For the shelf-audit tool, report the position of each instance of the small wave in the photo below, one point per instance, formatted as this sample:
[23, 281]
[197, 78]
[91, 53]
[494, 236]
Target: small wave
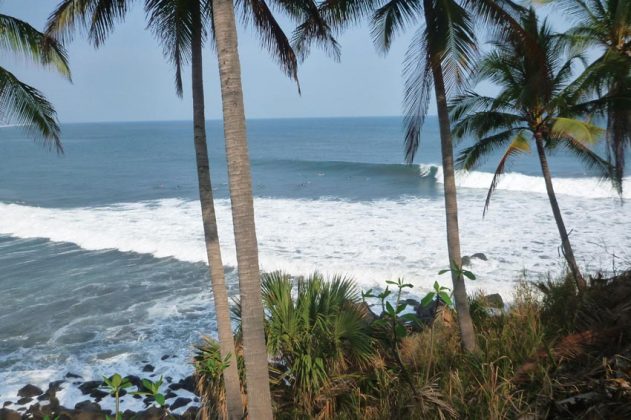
[585, 187]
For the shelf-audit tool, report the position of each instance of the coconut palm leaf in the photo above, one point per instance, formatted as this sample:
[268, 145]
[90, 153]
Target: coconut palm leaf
[171, 22]
[474, 155]
[97, 17]
[518, 145]
[271, 35]
[18, 37]
[312, 27]
[26, 105]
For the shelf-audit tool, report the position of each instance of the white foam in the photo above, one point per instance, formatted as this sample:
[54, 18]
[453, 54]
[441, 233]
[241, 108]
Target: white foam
[584, 187]
[371, 241]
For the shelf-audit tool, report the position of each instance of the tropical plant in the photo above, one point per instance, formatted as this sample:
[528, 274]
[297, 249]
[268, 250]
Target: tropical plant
[537, 102]
[114, 385]
[606, 25]
[152, 389]
[23, 104]
[318, 339]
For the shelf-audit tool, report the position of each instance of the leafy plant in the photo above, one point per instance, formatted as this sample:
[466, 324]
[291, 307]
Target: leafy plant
[153, 390]
[439, 292]
[458, 270]
[115, 384]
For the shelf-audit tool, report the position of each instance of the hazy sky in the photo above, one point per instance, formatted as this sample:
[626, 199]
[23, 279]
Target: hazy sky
[128, 79]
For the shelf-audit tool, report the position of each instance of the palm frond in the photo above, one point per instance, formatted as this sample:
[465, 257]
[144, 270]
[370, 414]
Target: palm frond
[19, 37]
[172, 24]
[417, 92]
[391, 18]
[518, 145]
[313, 28]
[97, 17]
[271, 35]
[473, 156]
[23, 104]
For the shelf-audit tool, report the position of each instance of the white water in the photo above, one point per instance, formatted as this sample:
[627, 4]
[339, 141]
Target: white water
[372, 240]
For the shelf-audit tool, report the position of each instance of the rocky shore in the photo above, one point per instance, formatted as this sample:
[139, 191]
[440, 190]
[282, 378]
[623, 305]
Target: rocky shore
[94, 402]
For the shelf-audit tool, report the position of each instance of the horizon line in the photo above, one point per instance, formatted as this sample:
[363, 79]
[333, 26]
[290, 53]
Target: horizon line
[247, 119]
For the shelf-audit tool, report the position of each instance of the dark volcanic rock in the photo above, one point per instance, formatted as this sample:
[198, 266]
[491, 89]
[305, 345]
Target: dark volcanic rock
[180, 402]
[89, 386]
[480, 256]
[169, 395]
[165, 357]
[6, 414]
[88, 406]
[24, 400]
[71, 375]
[148, 368]
[98, 395]
[7, 403]
[175, 386]
[188, 384]
[30, 391]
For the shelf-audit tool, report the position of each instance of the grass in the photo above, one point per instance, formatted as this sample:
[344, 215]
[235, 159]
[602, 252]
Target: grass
[554, 353]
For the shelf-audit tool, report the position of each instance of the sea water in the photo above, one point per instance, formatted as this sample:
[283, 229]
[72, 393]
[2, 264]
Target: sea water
[102, 259]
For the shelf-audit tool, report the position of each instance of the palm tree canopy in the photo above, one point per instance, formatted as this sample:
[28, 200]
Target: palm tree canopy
[533, 102]
[606, 25]
[170, 21]
[19, 102]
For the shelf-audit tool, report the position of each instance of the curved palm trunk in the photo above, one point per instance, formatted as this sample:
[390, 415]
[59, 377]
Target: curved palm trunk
[617, 127]
[240, 182]
[556, 211]
[467, 332]
[217, 276]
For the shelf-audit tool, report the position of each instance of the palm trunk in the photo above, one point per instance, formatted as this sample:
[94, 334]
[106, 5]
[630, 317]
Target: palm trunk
[565, 239]
[467, 332]
[240, 182]
[616, 138]
[232, 385]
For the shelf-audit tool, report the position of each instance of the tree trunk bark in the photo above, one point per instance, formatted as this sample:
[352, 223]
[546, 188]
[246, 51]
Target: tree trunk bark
[568, 253]
[467, 332]
[240, 183]
[234, 403]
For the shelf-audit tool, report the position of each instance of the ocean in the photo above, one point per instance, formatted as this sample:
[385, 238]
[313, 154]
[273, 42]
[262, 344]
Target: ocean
[102, 255]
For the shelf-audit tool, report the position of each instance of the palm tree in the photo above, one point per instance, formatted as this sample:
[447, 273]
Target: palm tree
[440, 55]
[178, 25]
[19, 102]
[606, 25]
[240, 183]
[173, 22]
[181, 26]
[537, 101]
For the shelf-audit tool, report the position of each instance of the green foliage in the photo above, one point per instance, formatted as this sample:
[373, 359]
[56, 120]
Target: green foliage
[316, 335]
[19, 102]
[114, 385]
[153, 390]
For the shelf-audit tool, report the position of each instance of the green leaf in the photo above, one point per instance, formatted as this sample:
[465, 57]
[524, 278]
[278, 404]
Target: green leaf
[468, 274]
[390, 309]
[400, 331]
[445, 298]
[427, 300]
[392, 282]
[441, 272]
[401, 307]
[436, 286]
[116, 380]
[160, 399]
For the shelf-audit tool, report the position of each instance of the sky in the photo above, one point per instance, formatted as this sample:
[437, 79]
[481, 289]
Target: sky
[128, 79]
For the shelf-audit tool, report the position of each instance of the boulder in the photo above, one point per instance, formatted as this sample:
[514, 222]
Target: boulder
[148, 368]
[494, 301]
[71, 375]
[480, 256]
[89, 386]
[180, 402]
[6, 414]
[30, 391]
[24, 401]
[88, 406]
